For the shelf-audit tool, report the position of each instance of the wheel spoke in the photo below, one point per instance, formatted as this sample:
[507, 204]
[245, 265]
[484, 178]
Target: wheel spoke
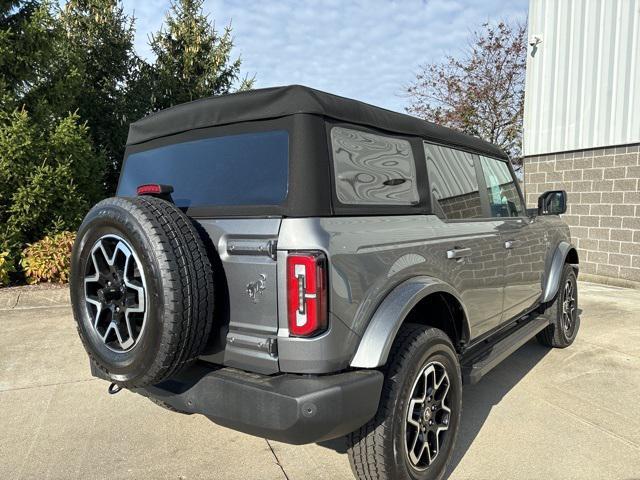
[110, 327]
[426, 448]
[430, 377]
[125, 344]
[412, 409]
[98, 306]
[412, 450]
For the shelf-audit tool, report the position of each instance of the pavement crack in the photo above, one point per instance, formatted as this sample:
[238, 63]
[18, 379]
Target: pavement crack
[607, 347]
[17, 300]
[29, 387]
[35, 436]
[585, 421]
[277, 459]
[37, 307]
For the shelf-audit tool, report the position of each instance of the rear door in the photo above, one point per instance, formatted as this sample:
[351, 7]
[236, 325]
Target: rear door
[524, 240]
[471, 241]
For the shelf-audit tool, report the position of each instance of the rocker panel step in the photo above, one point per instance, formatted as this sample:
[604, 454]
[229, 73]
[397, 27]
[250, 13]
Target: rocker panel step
[481, 364]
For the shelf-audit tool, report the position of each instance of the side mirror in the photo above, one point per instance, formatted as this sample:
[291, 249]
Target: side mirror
[553, 202]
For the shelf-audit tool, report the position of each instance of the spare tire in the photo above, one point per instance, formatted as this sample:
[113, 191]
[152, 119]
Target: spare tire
[141, 289]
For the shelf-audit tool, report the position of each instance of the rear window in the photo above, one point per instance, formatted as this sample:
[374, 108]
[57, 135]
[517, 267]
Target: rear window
[245, 169]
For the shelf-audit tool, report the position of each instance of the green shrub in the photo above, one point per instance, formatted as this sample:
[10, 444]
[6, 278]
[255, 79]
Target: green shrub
[48, 260]
[49, 178]
[6, 267]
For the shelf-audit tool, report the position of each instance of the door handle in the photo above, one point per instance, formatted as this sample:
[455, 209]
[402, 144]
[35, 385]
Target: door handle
[509, 244]
[458, 253]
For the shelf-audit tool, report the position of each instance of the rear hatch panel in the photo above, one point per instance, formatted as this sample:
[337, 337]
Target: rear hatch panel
[247, 327]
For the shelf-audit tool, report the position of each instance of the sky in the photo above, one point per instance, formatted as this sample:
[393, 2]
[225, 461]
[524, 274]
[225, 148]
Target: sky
[367, 50]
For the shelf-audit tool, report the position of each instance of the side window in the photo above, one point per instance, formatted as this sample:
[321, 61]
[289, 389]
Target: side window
[453, 183]
[373, 169]
[504, 199]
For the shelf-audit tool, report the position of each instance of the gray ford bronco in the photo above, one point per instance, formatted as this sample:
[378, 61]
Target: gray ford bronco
[301, 266]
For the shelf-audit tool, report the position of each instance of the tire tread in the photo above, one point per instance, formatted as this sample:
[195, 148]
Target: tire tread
[552, 336]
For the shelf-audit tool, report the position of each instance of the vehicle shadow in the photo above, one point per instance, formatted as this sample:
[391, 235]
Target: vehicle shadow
[339, 445]
[478, 400]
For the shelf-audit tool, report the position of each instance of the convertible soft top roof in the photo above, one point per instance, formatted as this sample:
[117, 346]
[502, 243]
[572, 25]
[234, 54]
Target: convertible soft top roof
[276, 102]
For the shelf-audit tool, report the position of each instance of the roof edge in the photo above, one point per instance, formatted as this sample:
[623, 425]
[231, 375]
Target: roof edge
[276, 102]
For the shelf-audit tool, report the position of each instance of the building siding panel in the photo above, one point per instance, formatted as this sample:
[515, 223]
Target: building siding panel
[583, 80]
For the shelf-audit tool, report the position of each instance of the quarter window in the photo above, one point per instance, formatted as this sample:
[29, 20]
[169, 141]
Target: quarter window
[453, 183]
[373, 169]
[504, 199]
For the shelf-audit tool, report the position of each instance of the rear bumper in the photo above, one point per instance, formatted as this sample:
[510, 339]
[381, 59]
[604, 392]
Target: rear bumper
[289, 408]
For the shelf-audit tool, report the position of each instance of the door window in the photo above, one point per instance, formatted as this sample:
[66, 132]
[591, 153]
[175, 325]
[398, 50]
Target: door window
[373, 169]
[453, 183]
[504, 198]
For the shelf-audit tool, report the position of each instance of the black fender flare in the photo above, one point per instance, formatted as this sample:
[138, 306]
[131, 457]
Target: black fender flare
[554, 274]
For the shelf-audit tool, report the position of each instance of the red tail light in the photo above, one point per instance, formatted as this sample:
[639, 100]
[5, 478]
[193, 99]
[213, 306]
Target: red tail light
[307, 293]
[154, 189]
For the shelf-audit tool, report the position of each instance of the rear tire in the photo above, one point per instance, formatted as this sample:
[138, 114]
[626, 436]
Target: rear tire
[563, 313]
[141, 289]
[382, 449]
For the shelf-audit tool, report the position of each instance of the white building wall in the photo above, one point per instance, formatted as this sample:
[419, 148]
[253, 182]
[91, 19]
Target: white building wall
[583, 79]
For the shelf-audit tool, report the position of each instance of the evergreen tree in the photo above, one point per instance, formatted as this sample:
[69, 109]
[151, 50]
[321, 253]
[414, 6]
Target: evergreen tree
[192, 59]
[70, 84]
[26, 49]
[99, 41]
[50, 174]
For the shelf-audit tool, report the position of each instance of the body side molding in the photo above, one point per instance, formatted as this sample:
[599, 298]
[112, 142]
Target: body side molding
[555, 271]
[380, 334]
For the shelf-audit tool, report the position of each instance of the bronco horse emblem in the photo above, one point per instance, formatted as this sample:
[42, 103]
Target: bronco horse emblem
[257, 288]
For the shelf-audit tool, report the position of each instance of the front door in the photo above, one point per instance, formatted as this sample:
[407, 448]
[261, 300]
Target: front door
[523, 240]
[524, 265]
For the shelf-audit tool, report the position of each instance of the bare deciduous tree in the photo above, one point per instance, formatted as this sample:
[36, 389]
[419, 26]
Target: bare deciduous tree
[480, 92]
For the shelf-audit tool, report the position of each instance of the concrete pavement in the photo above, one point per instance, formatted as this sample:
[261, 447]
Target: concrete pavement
[542, 414]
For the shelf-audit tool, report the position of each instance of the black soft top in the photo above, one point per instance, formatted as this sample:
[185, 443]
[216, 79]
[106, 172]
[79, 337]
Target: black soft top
[276, 102]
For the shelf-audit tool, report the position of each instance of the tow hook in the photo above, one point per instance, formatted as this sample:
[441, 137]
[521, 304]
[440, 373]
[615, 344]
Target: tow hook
[114, 388]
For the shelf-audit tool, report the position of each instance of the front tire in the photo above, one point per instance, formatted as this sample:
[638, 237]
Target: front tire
[413, 434]
[564, 322]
